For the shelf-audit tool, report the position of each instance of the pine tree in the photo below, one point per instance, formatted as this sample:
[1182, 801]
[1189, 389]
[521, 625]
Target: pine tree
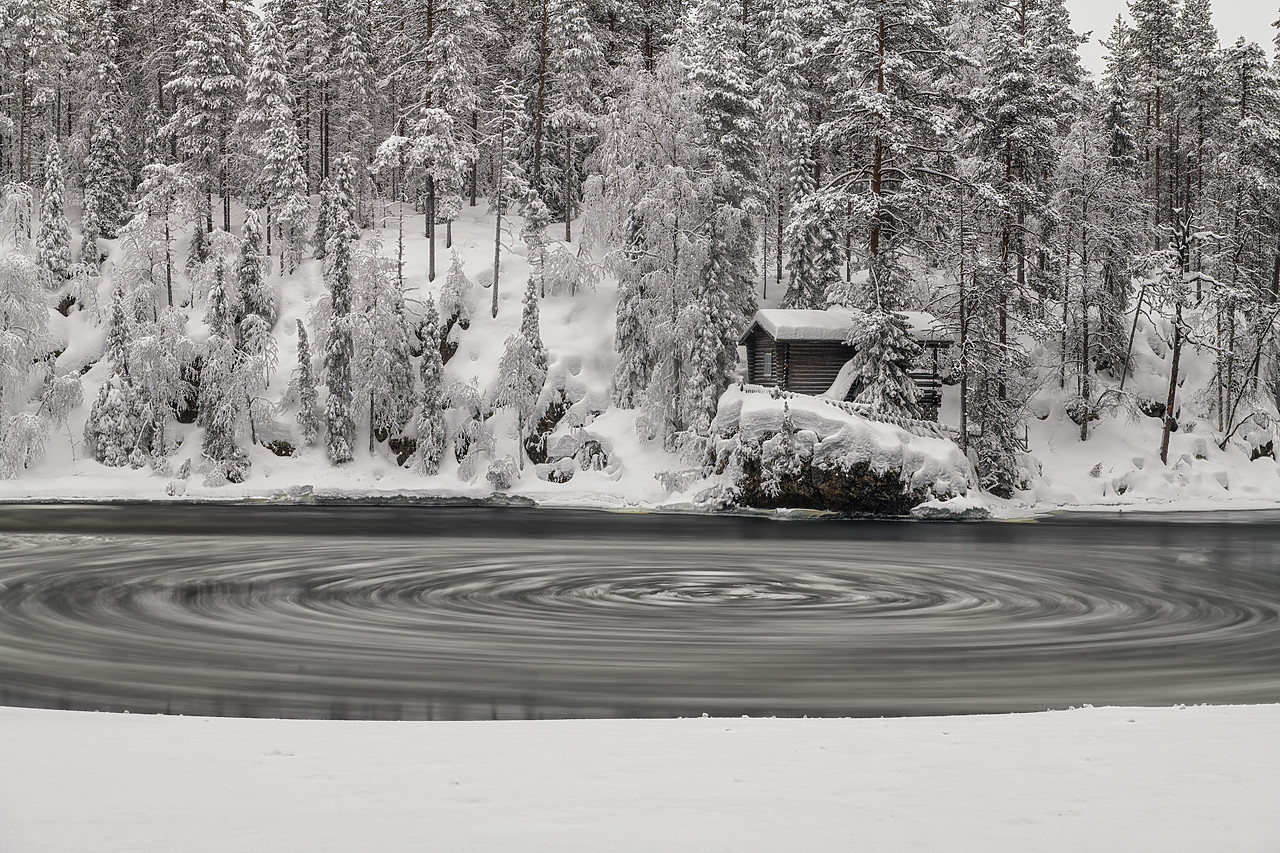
[455, 297]
[782, 89]
[631, 377]
[320, 239]
[114, 427]
[340, 425]
[23, 328]
[270, 152]
[107, 183]
[530, 327]
[53, 241]
[504, 144]
[576, 65]
[383, 371]
[353, 85]
[884, 352]
[308, 421]
[256, 295]
[522, 369]
[208, 87]
[431, 426]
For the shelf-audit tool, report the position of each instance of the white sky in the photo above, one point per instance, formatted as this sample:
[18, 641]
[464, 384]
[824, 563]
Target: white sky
[1249, 18]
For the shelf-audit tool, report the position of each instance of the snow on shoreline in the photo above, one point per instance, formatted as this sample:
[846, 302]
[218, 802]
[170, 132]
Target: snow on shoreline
[1168, 779]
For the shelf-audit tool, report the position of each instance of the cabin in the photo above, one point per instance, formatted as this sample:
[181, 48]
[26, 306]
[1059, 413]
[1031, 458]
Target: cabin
[805, 351]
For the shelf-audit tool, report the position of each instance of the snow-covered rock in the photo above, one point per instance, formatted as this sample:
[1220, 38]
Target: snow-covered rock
[799, 451]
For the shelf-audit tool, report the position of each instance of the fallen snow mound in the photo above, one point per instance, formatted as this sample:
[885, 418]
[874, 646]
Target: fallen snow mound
[824, 453]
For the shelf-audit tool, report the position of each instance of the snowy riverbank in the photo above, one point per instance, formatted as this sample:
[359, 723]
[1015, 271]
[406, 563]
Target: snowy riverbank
[1172, 779]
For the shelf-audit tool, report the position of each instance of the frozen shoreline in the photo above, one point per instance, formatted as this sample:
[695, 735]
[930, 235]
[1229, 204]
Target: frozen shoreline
[1171, 779]
[1000, 510]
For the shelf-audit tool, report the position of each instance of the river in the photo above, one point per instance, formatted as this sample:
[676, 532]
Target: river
[479, 613]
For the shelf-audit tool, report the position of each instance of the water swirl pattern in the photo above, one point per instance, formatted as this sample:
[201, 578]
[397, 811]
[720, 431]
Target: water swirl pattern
[475, 613]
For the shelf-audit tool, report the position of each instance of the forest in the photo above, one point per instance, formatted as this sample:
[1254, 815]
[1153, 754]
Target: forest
[170, 169]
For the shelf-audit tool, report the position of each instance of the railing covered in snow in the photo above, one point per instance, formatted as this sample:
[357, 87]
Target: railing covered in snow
[924, 429]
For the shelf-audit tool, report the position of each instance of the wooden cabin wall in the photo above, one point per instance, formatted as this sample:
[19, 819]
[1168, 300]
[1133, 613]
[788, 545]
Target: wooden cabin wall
[759, 347]
[813, 365]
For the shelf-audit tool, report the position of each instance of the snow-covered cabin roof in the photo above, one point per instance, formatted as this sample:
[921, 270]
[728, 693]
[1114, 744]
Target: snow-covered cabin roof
[834, 324]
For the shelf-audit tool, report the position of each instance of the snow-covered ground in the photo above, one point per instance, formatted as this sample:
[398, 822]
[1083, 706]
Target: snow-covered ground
[1116, 779]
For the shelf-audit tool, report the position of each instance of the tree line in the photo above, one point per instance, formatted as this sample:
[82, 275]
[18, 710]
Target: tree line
[881, 154]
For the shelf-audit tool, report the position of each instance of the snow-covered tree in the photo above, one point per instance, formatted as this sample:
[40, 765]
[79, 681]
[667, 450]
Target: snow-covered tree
[432, 434]
[23, 343]
[270, 152]
[504, 143]
[522, 370]
[107, 183]
[114, 428]
[53, 240]
[884, 352]
[456, 305]
[382, 369]
[339, 352]
[255, 293]
[308, 418]
[575, 70]
[207, 86]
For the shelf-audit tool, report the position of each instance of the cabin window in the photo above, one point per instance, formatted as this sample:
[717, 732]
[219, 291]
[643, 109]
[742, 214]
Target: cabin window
[768, 365]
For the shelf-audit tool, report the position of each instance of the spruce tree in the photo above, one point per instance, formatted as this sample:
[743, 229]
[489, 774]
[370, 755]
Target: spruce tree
[455, 297]
[308, 419]
[113, 428]
[270, 152]
[340, 424]
[432, 435]
[575, 68]
[208, 87]
[883, 355]
[522, 369]
[53, 240]
[255, 293]
[107, 183]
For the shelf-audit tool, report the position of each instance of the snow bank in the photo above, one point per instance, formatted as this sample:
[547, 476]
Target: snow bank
[830, 440]
[1182, 780]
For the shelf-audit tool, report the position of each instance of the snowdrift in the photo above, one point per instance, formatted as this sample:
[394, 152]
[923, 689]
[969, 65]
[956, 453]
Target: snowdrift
[791, 450]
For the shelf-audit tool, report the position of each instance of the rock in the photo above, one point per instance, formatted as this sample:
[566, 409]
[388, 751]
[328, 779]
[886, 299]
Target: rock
[563, 445]
[403, 447]
[1096, 471]
[950, 511]
[280, 447]
[1151, 408]
[592, 455]
[1139, 462]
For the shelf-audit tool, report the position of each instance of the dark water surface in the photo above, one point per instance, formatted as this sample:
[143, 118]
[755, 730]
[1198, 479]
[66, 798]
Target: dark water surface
[465, 613]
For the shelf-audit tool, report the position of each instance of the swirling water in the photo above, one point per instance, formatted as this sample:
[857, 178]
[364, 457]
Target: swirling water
[475, 613]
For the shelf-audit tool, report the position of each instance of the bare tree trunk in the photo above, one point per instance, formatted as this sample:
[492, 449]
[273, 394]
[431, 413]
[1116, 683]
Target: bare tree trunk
[568, 185]
[1173, 387]
[431, 229]
[475, 164]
